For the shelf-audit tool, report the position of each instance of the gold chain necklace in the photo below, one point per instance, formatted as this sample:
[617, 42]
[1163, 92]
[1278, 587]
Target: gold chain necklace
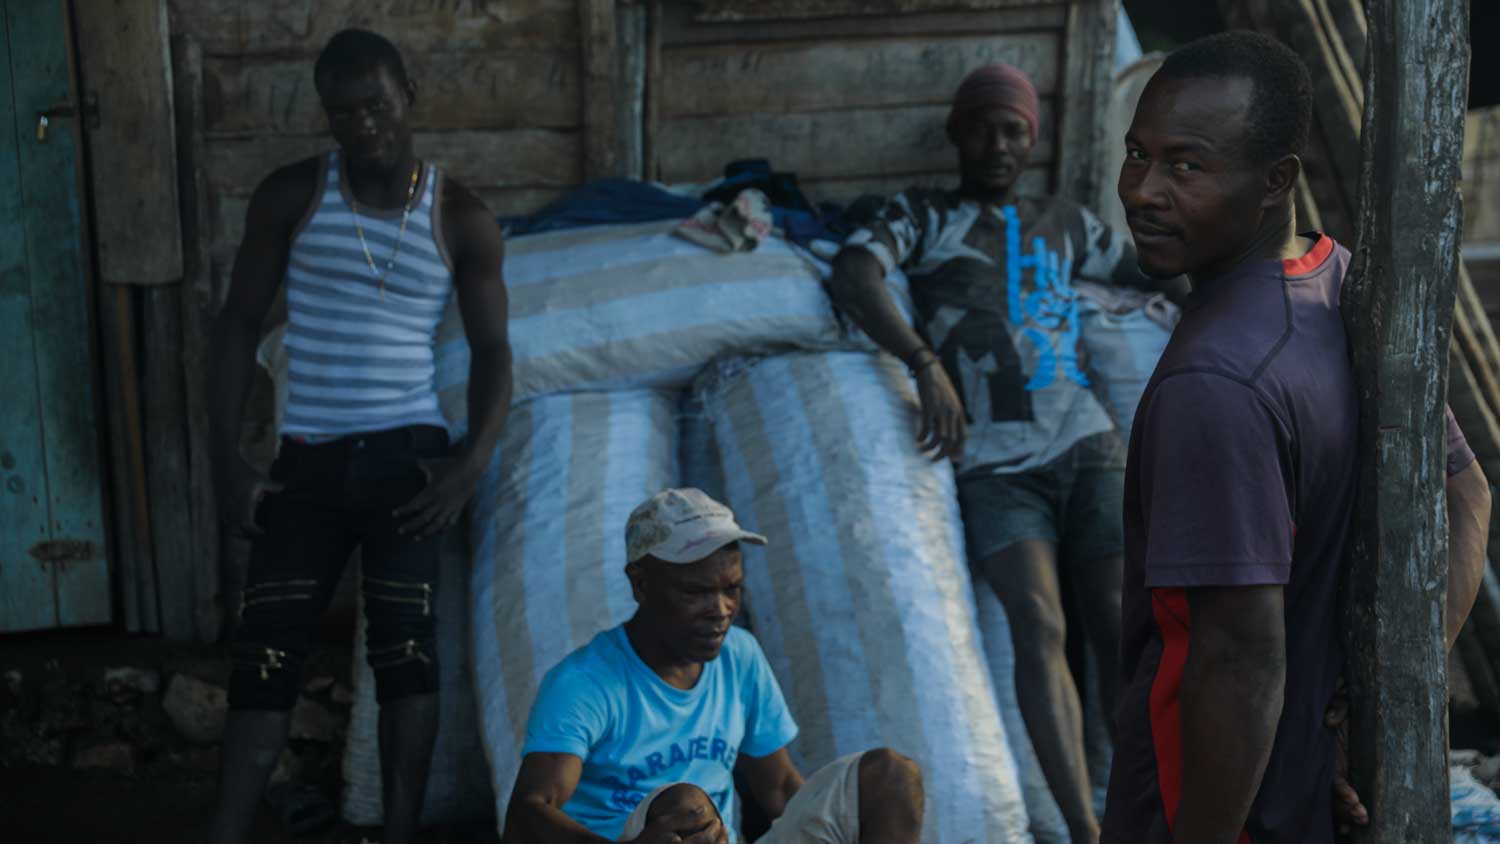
[411, 191]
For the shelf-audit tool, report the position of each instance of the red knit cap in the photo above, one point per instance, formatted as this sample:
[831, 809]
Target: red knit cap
[997, 84]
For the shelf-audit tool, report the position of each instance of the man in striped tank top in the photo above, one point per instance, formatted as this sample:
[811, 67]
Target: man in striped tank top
[369, 242]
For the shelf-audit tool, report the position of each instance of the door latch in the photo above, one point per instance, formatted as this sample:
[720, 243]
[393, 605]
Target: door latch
[63, 551]
[90, 114]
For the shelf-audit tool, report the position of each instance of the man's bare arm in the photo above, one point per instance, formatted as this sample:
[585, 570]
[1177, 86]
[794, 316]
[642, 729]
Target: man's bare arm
[473, 239]
[1231, 700]
[546, 783]
[772, 779]
[858, 287]
[259, 267]
[1468, 536]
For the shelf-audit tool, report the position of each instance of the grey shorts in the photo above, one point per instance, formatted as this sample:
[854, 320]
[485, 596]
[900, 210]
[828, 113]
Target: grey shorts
[1075, 502]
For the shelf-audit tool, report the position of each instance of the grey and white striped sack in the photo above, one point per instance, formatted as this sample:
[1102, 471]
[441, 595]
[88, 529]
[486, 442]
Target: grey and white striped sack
[630, 306]
[548, 532]
[862, 600]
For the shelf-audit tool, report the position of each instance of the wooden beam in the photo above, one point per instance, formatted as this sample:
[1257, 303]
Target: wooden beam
[602, 156]
[651, 107]
[167, 470]
[807, 76]
[739, 10]
[633, 22]
[237, 27]
[122, 46]
[511, 158]
[1398, 304]
[859, 143]
[198, 307]
[456, 89]
[679, 27]
[1089, 59]
[129, 502]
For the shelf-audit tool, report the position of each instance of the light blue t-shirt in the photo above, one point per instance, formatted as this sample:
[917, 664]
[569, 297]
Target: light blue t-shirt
[635, 733]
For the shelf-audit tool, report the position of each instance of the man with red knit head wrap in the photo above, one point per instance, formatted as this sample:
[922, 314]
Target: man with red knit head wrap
[995, 277]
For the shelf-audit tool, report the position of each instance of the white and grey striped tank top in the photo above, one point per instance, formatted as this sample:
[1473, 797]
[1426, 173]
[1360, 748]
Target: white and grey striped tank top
[361, 361]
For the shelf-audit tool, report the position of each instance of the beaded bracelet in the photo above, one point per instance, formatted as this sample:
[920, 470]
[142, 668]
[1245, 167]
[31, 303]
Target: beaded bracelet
[915, 369]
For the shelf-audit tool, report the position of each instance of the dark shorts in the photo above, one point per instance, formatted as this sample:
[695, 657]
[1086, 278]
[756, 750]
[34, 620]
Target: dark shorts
[1075, 502]
[338, 496]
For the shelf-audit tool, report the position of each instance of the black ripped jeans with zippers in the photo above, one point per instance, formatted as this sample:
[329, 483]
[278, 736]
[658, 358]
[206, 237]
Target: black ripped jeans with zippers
[338, 496]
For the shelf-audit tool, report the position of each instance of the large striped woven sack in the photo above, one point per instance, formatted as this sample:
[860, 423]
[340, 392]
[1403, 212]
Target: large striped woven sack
[862, 600]
[612, 307]
[458, 787]
[1047, 826]
[548, 532]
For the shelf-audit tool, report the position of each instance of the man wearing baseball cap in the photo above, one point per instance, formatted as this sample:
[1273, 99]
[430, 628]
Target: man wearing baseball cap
[637, 735]
[1006, 394]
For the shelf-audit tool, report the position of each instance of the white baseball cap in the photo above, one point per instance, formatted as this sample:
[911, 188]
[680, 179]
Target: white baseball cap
[682, 526]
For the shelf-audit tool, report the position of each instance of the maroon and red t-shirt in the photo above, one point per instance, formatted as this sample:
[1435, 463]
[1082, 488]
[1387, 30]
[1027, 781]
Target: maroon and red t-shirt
[1241, 472]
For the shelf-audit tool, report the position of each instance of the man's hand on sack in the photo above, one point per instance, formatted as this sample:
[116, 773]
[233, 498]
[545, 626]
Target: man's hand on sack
[1347, 809]
[687, 826]
[943, 427]
[241, 497]
[451, 482]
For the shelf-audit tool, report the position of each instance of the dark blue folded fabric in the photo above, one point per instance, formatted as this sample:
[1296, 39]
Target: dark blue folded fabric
[621, 201]
[605, 202]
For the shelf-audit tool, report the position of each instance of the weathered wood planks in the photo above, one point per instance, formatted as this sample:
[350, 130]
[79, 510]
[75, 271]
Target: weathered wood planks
[122, 46]
[1089, 61]
[236, 27]
[456, 89]
[738, 10]
[821, 145]
[805, 76]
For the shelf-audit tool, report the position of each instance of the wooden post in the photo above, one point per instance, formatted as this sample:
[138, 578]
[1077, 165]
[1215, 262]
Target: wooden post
[601, 89]
[122, 48]
[1089, 58]
[198, 307]
[1398, 303]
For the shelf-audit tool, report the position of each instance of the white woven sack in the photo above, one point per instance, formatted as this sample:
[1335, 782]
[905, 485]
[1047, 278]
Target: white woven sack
[862, 600]
[458, 787]
[1123, 345]
[548, 532]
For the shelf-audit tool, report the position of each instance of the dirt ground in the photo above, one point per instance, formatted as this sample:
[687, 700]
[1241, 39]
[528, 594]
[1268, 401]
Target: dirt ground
[157, 786]
[46, 805]
[55, 707]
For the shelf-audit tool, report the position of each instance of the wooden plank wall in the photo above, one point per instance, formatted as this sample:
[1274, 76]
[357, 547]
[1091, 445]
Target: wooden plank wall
[852, 101]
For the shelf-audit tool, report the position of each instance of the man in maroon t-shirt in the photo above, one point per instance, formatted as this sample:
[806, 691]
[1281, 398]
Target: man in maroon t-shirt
[1241, 474]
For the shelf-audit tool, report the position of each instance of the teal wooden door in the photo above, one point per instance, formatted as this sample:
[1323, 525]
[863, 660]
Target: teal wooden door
[53, 571]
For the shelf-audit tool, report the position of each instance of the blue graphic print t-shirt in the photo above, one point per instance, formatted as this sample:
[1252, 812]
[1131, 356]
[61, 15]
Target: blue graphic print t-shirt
[635, 733]
[993, 290]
